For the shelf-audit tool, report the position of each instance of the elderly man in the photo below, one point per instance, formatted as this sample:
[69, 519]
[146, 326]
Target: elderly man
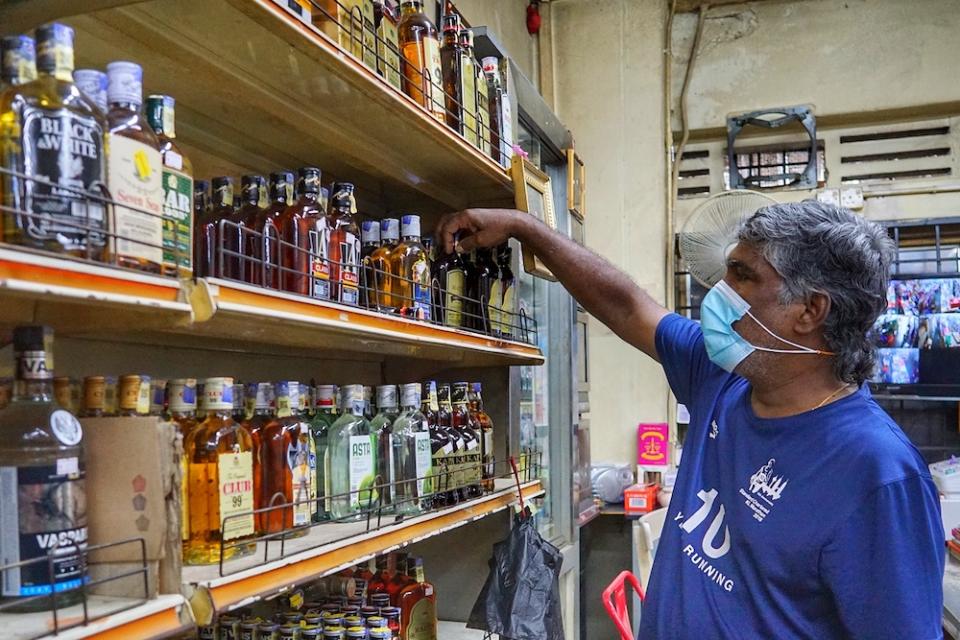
[801, 510]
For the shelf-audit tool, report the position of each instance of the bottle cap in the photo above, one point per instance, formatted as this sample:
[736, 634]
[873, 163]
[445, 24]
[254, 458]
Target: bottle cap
[250, 186]
[325, 394]
[387, 396]
[466, 37]
[411, 394]
[19, 59]
[158, 396]
[353, 399]
[182, 395]
[490, 64]
[341, 197]
[308, 180]
[460, 392]
[218, 394]
[410, 226]
[32, 347]
[281, 186]
[160, 113]
[223, 191]
[94, 388]
[370, 231]
[55, 49]
[129, 392]
[125, 83]
[389, 230]
[451, 23]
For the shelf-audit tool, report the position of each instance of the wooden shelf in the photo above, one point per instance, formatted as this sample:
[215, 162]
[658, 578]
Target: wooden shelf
[257, 579]
[163, 616]
[258, 90]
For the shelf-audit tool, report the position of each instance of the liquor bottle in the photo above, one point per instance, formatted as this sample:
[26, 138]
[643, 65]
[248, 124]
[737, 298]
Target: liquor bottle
[439, 446]
[204, 233]
[344, 245]
[239, 397]
[484, 130]
[201, 199]
[129, 397]
[501, 118]
[503, 318]
[305, 476]
[42, 481]
[410, 271]
[420, 51]
[370, 238]
[323, 419]
[481, 275]
[352, 460]
[182, 394]
[456, 457]
[304, 231]
[388, 43]
[485, 425]
[369, 406]
[380, 265]
[94, 389]
[110, 396]
[381, 429]
[238, 263]
[285, 465]
[134, 172]
[450, 274]
[263, 415]
[63, 394]
[412, 456]
[177, 181]
[451, 61]
[49, 128]
[93, 84]
[418, 606]
[220, 472]
[267, 225]
[18, 61]
[468, 86]
[462, 421]
[158, 398]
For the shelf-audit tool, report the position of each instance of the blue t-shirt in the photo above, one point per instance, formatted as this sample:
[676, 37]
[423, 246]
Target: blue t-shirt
[822, 525]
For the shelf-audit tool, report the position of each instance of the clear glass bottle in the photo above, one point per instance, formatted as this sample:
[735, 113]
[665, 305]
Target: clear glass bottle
[52, 108]
[323, 419]
[484, 424]
[381, 428]
[412, 455]
[305, 233]
[410, 271]
[344, 245]
[352, 460]
[420, 58]
[42, 479]
[380, 265]
[182, 395]
[370, 239]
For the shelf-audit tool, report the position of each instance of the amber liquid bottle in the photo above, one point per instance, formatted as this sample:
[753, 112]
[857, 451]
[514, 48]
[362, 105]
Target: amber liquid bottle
[303, 229]
[201, 203]
[451, 60]
[380, 265]
[285, 466]
[418, 605]
[182, 398]
[420, 59]
[344, 245]
[235, 243]
[370, 238]
[267, 229]
[208, 228]
[450, 272]
[410, 271]
[263, 415]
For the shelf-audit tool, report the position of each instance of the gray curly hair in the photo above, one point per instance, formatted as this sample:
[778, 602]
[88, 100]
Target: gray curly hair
[820, 248]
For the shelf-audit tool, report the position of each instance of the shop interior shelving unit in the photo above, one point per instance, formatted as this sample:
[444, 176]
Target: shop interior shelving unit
[257, 90]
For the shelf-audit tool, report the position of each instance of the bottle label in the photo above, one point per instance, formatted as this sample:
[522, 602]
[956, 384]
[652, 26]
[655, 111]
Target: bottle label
[434, 69]
[508, 319]
[312, 471]
[420, 274]
[506, 130]
[66, 149]
[483, 114]
[135, 179]
[298, 459]
[319, 266]
[350, 269]
[327, 482]
[424, 463]
[35, 365]
[184, 494]
[453, 298]
[43, 508]
[468, 83]
[235, 472]
[177, 218]
[493, 306]
[489, 465]
[361, 472]
[143, 397]
[389, 50]
[422, 624]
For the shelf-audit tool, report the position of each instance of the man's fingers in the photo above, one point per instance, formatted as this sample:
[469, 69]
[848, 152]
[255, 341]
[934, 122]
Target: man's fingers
[450, 226]
[467, 244]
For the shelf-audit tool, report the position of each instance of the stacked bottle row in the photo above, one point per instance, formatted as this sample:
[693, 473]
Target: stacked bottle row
[384, 599]
[87, 171]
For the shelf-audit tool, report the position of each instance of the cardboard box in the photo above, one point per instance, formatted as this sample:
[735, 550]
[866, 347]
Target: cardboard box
[639, 499]
[133, 492]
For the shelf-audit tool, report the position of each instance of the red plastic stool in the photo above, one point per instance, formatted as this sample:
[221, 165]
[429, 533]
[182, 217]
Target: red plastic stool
[615, 602]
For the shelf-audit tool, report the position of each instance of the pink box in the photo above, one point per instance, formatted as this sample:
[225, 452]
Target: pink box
[653, 444]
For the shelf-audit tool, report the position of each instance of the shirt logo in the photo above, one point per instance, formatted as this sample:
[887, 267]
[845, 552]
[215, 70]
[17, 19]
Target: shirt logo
[714, 430]
[765, 489]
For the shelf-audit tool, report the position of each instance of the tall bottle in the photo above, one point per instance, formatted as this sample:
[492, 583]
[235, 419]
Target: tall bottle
[49, 128]
[410, 271]
[501, 118]
[286, 462]
[263, 415]
[134, 173]
[177, 182]
[220, 459]
[241, 260]
[481, 275]
[42, 481]
[469, 71]
[383, 283]
[451, 60]
[344, 245]
[484, 424]
[370, 238]
[440, 447]
[503, 318]
[266, 229]
[462, 421]
[182, 394]
[412, 455]
[420, 51]
[450, 272]
[352, 460]
[483, 112]
[323, 419]
[18, 61]
[456, 457]
[305, 233]
[381, 429]
[418, 606]
[207, 249]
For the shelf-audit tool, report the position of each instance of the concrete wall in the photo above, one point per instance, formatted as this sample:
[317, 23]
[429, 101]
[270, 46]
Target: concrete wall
[508, 20]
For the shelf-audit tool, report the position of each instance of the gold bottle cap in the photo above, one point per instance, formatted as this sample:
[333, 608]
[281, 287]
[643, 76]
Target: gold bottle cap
[129, 392]
[63, 391]
[93, 392]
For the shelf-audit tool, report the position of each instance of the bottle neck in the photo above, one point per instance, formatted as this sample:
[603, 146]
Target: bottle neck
[183, 413]
[33, 389]
[132, 107]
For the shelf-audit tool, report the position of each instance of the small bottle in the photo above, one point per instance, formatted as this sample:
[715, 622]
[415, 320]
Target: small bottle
[352, 460]
[134, 173]
[93, 84]
[94, 389]
[410, 271]
[207, 251]
[370, 238]
[304, 231]
[451, 60]
[182, 394]
[267, 225]
[323, 419]
[412, 455]
[344, 245]
[380, 265]
[18, 61]
[177, 181]
[420, 53]
[381, 431]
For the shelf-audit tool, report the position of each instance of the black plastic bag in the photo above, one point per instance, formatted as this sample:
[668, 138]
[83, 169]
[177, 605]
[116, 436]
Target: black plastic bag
[521, 597]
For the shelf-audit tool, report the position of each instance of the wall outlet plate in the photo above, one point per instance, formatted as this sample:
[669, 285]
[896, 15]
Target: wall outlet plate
[829, 196]
[851, 197]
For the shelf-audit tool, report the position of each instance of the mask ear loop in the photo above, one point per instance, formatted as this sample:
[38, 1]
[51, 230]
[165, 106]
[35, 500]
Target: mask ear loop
[800, 349]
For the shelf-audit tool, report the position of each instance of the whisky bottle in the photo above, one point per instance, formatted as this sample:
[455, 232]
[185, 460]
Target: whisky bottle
[503, 293]
[208, 251]
[48, 128]
[267, 225]
[242, 261]
[485, 426]
[451, 60]
[418, 606]
[484, 131]
[411, 455]
[370, 238]
[42, 481]
[380, 265]
[439, 446]
[456, 457]
[94, 390]
[410, 271]
[388, 44]
[482, 273]
[285, 465]
[352, 460]
[177, 180]
[263, 415]
[304, 231]
[450, 274]
[63, 392]
[468, 80]
[134, 174]
[220, 473]
[381, 430]
[93, 84]
[182, 394]
[420, 51]
[501, 119]
[18, 61]
[323, 419]
[463, 422]
[344, 245]
[129, 396]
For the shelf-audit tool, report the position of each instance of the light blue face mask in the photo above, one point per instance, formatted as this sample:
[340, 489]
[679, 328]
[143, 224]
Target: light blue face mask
[721, 308]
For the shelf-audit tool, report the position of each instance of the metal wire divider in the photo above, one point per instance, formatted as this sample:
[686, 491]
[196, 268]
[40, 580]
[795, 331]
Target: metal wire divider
[52, 600]
[305, 267]
[372, 510]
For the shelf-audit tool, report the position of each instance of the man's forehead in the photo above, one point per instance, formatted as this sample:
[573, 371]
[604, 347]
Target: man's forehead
[746, 255]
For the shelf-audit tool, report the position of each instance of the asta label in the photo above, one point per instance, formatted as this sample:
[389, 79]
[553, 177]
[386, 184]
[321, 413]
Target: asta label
[65, 149]
[424, 460]
[361, 472]
[235, 472]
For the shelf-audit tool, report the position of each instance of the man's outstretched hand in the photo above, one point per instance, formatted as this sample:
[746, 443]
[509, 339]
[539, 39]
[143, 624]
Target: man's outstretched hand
[477, 228]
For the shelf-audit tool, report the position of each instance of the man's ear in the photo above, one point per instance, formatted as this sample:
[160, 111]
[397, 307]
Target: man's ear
[814, 314]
